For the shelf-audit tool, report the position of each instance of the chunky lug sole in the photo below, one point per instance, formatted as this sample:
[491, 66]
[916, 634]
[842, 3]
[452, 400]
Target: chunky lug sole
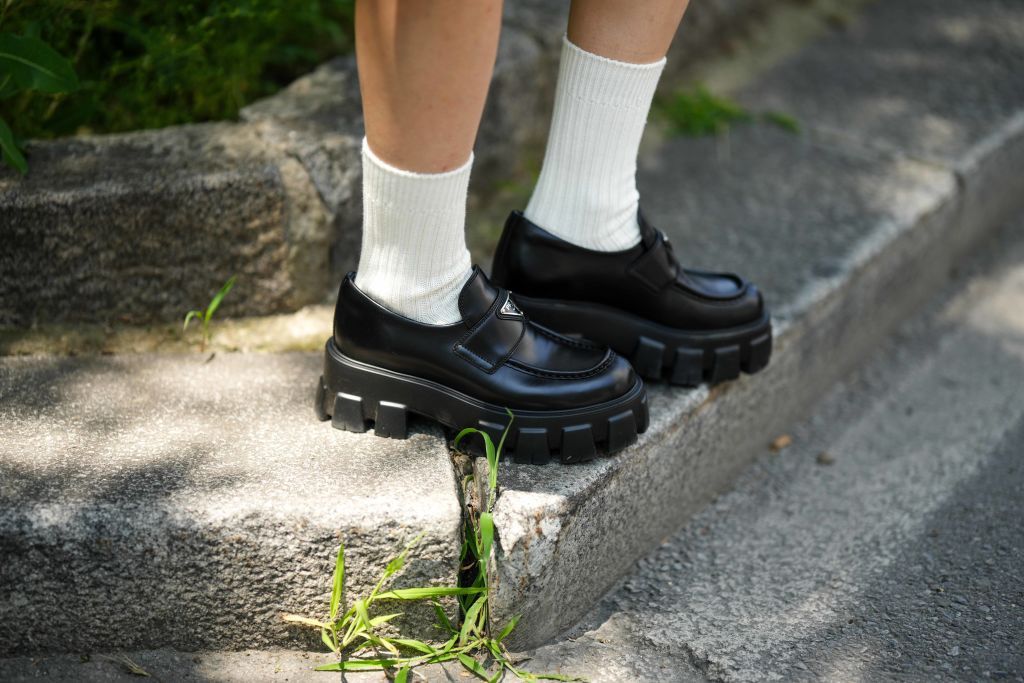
[356, 396]
[683, 357]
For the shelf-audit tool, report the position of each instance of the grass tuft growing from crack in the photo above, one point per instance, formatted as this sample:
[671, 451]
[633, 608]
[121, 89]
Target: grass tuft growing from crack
[206, 314]
[698, 112]
[353, 632]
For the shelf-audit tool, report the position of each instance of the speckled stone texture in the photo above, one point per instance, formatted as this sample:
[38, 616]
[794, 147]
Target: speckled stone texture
[145, 226]
[846, 236]
[163, 501]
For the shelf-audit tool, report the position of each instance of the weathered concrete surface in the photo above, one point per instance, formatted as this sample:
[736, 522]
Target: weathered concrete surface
[160, 501]
[846, 237]
[145, 226]
[170, 665]
[898, 560]
[318, 121]
[895, 556]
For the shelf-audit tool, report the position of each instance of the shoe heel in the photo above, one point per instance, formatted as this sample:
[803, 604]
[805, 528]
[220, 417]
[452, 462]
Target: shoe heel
[352, 413]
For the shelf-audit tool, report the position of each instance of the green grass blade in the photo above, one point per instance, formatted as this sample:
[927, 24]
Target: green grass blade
[501, 445]
[486, 538]
[361, 665]
[188, 318]
[509, 627]
[383, 619]
[219, 297]
[698, 112]
[354, 629]
[385, 643]
[9, 149]
[442, 618]
[469, 623]
[398, 561]
[448, 645]
[394, 565]
[417, 645]
[328, 641]
[424, 593]
[488, 444]
[333, 666]
[339, 578]
[403, 675]
[362, 614]
[474, 666]
[35, 65]
[465, 432]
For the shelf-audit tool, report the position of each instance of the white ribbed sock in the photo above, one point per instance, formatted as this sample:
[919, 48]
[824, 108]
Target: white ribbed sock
[414, 259]
[586, 193]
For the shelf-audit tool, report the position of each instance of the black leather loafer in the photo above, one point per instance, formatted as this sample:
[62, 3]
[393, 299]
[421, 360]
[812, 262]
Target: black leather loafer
[571, 398]
[685, 325]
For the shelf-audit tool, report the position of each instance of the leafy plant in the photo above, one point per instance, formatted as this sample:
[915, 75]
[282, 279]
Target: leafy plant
[353, 633]
[28, 64]
[207, 313]
[698, 112]
[150, 63]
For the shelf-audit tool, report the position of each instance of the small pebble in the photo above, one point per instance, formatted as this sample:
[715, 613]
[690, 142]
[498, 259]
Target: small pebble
[954, 651]
[826, 458]
[780, 442]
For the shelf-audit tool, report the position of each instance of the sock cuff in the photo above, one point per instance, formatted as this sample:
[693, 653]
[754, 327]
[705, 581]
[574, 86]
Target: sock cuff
[601, 80]
[396, 188]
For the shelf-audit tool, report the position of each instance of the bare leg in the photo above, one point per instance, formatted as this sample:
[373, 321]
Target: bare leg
[424, 68]
[635, 32]
[611, 62]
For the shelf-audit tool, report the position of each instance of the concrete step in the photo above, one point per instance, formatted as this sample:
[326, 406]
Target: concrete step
[872, 562]
[884, 544]
[164, 501]
[911, 151]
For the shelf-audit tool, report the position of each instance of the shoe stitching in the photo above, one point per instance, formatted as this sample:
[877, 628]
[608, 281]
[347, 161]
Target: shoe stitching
[569, 341]
[580, 374]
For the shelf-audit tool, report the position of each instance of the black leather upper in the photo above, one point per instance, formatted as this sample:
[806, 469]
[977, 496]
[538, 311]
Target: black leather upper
[645, 280]
[493, 354]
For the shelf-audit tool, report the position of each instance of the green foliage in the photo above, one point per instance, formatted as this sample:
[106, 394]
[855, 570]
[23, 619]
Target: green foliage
[28, 64]
[354, 635]
[10, 151]
[206, 314]
[149, 63]
[698, 112]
